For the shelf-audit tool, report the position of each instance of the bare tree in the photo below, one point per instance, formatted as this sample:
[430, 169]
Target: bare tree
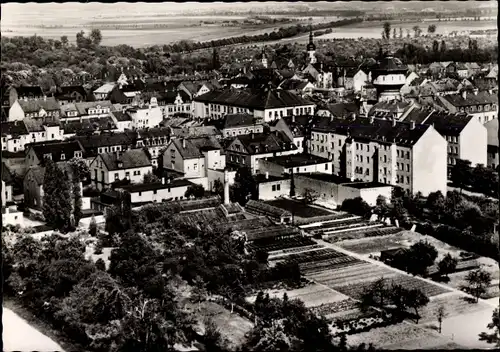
[441, 314]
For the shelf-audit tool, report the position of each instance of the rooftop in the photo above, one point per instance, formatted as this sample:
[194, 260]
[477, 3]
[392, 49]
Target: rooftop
[130, 159]
[144, 187]
[295, 160]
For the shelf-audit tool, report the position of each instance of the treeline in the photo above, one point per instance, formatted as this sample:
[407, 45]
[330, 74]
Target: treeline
[281, 33]
[415, 54]
[477, 179]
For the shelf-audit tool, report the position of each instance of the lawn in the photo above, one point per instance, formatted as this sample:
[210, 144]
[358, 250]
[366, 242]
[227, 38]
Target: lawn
[300, 209]
[233, 327]
[398, 337]
[454, 304]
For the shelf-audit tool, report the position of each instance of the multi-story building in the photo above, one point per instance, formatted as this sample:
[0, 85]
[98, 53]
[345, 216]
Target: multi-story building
[406, 155]
[466, 136]
[145, 117]
[267, 104]
[130, 165]
[246, 150]
[482, 105]
[57, 151]
[194, 156]
[24, 93]
[36, 108]
[238, 124]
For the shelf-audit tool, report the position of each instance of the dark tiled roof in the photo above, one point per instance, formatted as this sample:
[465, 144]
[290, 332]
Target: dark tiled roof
[492, 148]
[48, 104]
[261, 178]
[66, 92]
[104, 140]
[390, 64]
[144, 187]
[13, 128]
[259, 143]
[56, 149]
[195, 132]
[418, 115]
[471, 99]
[26, 91]
[261, 100]
[448, 124]
[170, 96]
[381, 131]
[130, 159]
[83, 107]
[88, 125]
[191, 148]
[342, 109]
[6, 175]
[293, 84]
[121, 115]
[295, 160]
[238, 120]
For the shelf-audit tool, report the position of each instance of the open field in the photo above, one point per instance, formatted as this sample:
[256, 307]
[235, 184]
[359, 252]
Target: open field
[301, 210]
[398, 336]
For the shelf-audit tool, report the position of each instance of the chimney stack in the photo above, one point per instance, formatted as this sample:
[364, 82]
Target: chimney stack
[267, 175]
[393, 122]
[412, 125]
[183, 142]
[163, 180]
[226, 187]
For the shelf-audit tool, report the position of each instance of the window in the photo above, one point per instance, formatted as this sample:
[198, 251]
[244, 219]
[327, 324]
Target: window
[326, 166]
[367, 148]
[274, 188]
[407, 155]
[155, 191]
[140, 194]
[385, 171]
[340, 143]
[63, 157]
[407, 167]
[278, 187]
[385, 158]
[367, 159]
[116, 176]
[408, 179]
[357, 146]
[361, 156]
[127, 174]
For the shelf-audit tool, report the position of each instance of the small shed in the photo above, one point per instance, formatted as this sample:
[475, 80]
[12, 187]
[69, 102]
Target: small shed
[388, 255]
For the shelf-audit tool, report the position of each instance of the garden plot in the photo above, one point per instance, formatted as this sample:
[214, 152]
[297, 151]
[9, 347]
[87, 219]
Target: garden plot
[356, 273]
[454, 304]
[397, 336]
[299, 209]
[312, 295]
[373, 244]
[281, 244]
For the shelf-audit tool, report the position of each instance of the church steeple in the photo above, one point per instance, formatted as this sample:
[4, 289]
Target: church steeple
[311, 48]
[264, 58]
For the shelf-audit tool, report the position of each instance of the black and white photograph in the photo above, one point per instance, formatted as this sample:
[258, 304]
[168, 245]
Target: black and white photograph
[250, 176]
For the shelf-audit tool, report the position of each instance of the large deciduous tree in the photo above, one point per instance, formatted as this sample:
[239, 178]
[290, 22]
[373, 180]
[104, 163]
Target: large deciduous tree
[476, 283]
[57, 199]
[447, 265]
[494, 325]
[195, 191]
[245, 187]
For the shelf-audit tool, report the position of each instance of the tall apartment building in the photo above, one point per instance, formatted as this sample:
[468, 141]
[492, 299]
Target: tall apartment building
[402, 154]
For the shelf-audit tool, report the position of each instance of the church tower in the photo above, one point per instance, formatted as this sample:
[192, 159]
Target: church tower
[311, 49]
[264, 58]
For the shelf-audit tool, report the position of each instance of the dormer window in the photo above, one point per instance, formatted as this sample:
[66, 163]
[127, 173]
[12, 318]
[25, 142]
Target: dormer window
[63, 157]
[48, 156]
[78, 154]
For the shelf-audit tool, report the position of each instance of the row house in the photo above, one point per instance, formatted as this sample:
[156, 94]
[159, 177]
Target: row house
[14, 135]
[57, 151]
[71, 94]
[39, 108]
[145, 116]
[240, 124]
[154, 139]
[338, 110]
[17, 134]
[410, 156]
[194, 156]
[25, 93]
[106, 142]
[322, 74]
[111, 167]
[295, 128]
[174, 102]
[267, 104]
[246, 150]
[482, 105]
